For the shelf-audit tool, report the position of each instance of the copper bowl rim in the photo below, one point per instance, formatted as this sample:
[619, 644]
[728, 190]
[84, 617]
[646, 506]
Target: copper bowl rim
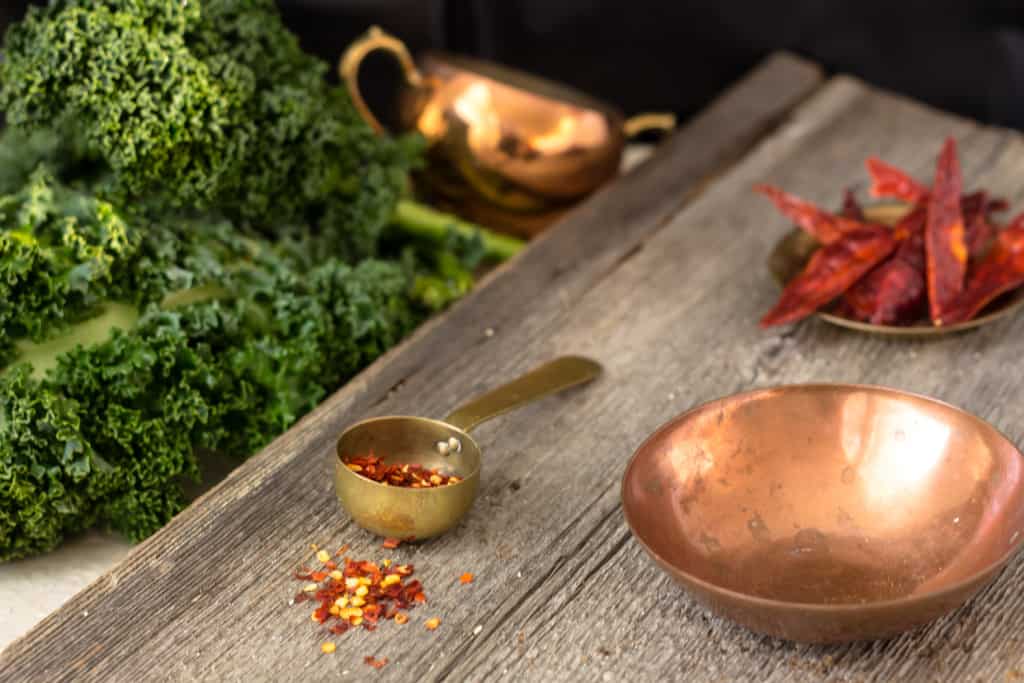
[382, 418]
[511, 77]
[950, 589]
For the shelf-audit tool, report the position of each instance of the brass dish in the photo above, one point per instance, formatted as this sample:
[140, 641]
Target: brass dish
[408, 513]
[828, 513]
[792, 252]
[519, 142]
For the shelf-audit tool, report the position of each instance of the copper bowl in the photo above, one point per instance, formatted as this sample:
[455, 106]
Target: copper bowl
[828, 513]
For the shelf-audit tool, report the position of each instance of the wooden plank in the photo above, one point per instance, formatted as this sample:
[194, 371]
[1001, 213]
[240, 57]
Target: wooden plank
[603, 612]
[207, 597]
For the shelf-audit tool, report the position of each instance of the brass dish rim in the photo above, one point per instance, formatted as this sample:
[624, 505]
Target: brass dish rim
[952, 588]
[383, 418]
[1011, 301]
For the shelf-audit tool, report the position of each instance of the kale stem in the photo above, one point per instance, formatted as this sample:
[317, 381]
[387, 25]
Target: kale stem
[422, 221]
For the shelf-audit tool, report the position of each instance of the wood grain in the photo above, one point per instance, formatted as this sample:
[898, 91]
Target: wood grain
[664, 285]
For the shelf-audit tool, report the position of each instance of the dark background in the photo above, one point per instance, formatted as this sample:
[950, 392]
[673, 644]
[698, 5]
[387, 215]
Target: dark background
[966, 56]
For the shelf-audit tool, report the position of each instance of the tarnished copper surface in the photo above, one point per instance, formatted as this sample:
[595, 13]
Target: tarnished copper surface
[523, 143]
[828, 513]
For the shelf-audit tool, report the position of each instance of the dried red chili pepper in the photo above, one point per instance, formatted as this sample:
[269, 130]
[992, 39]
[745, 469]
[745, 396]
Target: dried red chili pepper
[889, 181]
[851, 207]
[830, 272]
[820, 224]
[411, 476]
[945, 238]
[939, 264]
[1001, 271]
[894, 292]
[977, 208]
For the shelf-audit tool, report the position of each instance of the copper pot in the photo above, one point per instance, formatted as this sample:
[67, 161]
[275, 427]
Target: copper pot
[515, 141]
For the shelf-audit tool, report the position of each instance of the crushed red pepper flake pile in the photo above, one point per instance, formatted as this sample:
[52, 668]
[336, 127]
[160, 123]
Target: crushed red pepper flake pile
[360, 594]
[410, 476]
[945, 260]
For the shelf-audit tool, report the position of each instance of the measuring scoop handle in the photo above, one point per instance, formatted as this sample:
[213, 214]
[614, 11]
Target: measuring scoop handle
[557, 375]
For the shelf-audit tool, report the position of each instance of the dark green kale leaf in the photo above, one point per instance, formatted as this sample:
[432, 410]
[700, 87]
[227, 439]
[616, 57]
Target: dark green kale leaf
[59, 249]
[106, 437]
[206, 105]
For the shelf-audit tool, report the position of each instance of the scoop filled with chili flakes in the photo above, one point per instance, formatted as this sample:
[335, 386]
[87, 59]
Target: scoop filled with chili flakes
[944, 261]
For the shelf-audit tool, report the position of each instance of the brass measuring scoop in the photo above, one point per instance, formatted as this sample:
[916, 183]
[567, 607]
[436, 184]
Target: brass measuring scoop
[406, 513]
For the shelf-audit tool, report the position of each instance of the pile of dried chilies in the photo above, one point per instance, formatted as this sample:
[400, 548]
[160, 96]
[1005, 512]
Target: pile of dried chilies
[945, 258]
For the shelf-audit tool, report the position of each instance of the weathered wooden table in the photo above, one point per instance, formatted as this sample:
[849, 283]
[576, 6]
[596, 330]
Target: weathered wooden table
[662, 277]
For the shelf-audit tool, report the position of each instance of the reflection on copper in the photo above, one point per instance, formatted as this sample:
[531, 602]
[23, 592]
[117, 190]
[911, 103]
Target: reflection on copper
[524, 148]
[475, 107]
[828, 512]
[530, 150]
[901, 452]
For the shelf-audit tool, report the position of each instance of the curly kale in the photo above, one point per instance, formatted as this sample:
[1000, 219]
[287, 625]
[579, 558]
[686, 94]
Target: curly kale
[192, 254]
[58, 249]
[206, 105]
[105, 438]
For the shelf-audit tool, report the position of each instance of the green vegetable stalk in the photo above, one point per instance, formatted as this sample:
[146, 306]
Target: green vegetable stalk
[194, 252]
[420, 220]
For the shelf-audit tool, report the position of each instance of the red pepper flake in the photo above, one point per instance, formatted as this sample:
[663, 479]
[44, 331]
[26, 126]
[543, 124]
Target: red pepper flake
[331, 564]
[409, 476]
[466, 578]
[341, 551]
[391, 543]
[376, 663]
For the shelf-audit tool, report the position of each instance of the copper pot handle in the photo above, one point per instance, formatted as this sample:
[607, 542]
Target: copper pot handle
[641, 123]
[348, 68]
